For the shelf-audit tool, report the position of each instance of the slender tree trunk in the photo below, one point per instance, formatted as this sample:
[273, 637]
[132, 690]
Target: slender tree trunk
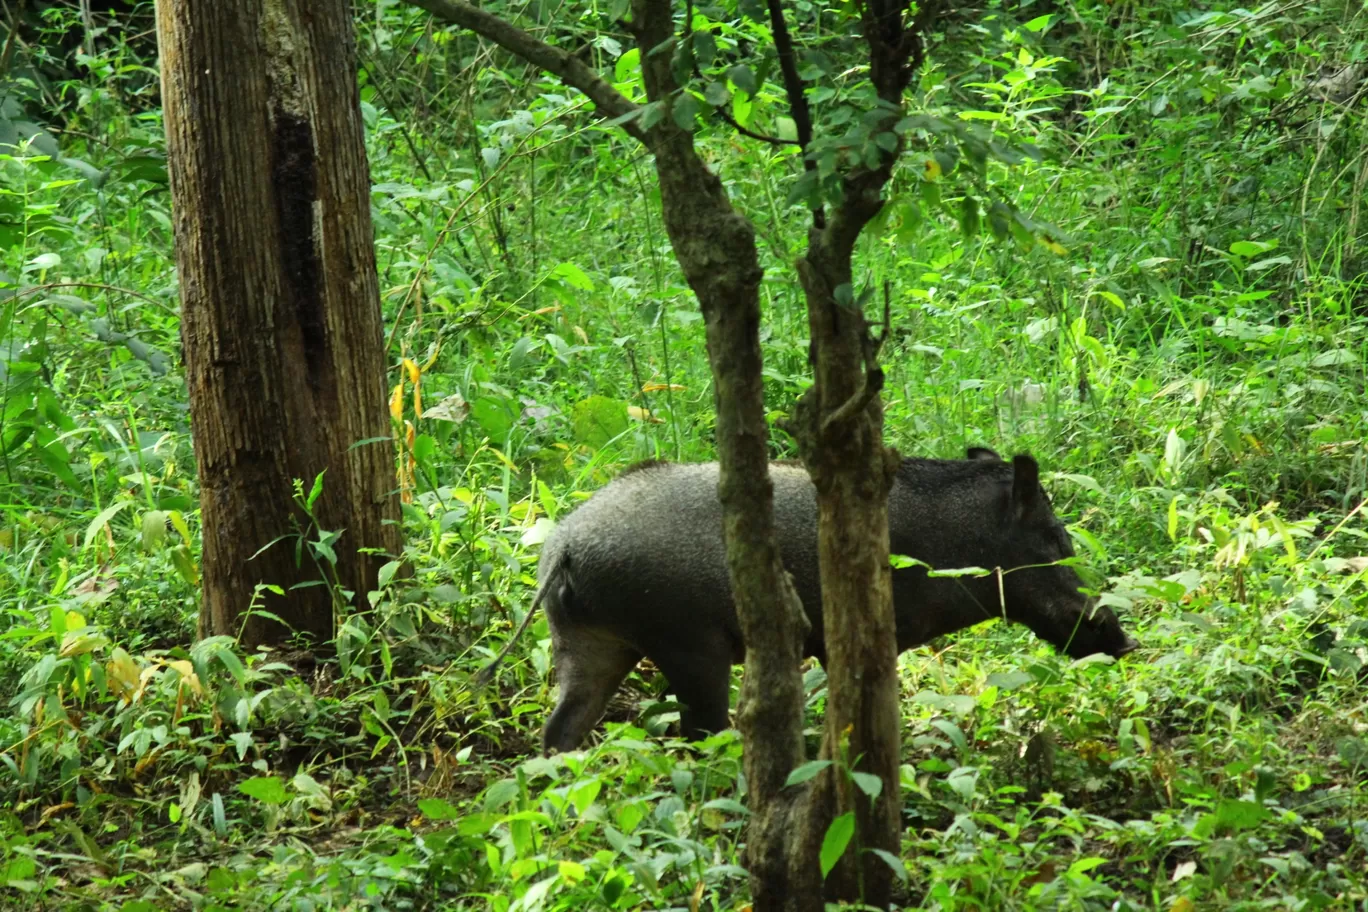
[853, 473]
[715, 247]
[839, 427]
[281, 324]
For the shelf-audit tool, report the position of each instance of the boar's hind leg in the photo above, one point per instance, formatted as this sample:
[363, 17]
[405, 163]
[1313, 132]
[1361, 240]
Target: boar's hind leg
[590, 665]
[700, 678]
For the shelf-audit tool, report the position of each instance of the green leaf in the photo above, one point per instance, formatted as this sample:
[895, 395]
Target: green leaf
[628, 66]
[153, 529]
[717, 94]
[583, 794]
[266, 789]
[730, 805]
[969, 216]
[685, 111]
[387, 571]
[500, 793]
[438, 809]
[1039, 23]
[806, 771]
[495, 415]
[316, 491]
[704, 48]
[573, 276]
[743, 78]
[597, 420]
[894, 862]
[868, 783]
[1252, 248]
[835, 841]
[1084, 865]
[1009, 680]
[103, 517]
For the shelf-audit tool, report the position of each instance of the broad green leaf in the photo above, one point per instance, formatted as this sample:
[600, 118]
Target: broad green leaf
[835, 841]
[438, 809]
[597, 420]
[266, 789]
[806, 771]
[868, 783]
[743, 78]
[627, 68]
[573, 276]
[894, 862]
[103, 517]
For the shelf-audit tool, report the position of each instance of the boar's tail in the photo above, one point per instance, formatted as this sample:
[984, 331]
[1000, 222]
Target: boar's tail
[486, 674]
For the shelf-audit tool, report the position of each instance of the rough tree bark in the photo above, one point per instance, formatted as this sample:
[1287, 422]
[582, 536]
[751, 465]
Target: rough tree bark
[839, 425]
[839, 428]
[280, 311]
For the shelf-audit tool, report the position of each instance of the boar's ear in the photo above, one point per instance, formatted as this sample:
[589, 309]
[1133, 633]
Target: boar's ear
[1025, 485]
[984, 454]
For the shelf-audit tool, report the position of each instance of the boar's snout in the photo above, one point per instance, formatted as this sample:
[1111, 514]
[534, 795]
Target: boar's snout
[1099, 630]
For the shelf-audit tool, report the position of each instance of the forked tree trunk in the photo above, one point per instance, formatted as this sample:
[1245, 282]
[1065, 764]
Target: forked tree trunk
[280, 312]
[840, 428]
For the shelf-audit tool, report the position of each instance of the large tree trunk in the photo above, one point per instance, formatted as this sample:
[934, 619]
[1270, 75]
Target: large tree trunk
[280, 312]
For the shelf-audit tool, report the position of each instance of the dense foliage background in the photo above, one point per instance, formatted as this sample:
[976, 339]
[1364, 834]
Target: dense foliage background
[1186, 355]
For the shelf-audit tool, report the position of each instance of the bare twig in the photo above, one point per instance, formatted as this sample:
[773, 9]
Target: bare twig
[574, 72]
[793, 88]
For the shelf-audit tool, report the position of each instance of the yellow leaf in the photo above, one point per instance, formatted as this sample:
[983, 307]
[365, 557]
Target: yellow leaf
[697, 897]
[122, 674]
[504, 459]
[637, 413]
[75, 620]
[80, 645]
[1182, 904]
[931, 169]
[397, 401]
[188, 677]
[581, 334]
[411, 369]
[657, 387]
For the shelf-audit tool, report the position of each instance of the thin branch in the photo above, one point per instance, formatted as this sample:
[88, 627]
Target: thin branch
[609, 102]
[793, 88]
[788, 66]
[873, 384]
[772, 140]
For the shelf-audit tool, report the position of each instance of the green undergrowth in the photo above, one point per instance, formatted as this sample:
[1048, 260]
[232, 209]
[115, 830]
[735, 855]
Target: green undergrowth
[1188, 366]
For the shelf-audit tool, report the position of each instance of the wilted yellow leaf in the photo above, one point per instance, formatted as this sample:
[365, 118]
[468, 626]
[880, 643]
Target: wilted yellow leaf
[122, 673]
[397, 401]
[188, 677]
[411, 369]
[657, 387]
